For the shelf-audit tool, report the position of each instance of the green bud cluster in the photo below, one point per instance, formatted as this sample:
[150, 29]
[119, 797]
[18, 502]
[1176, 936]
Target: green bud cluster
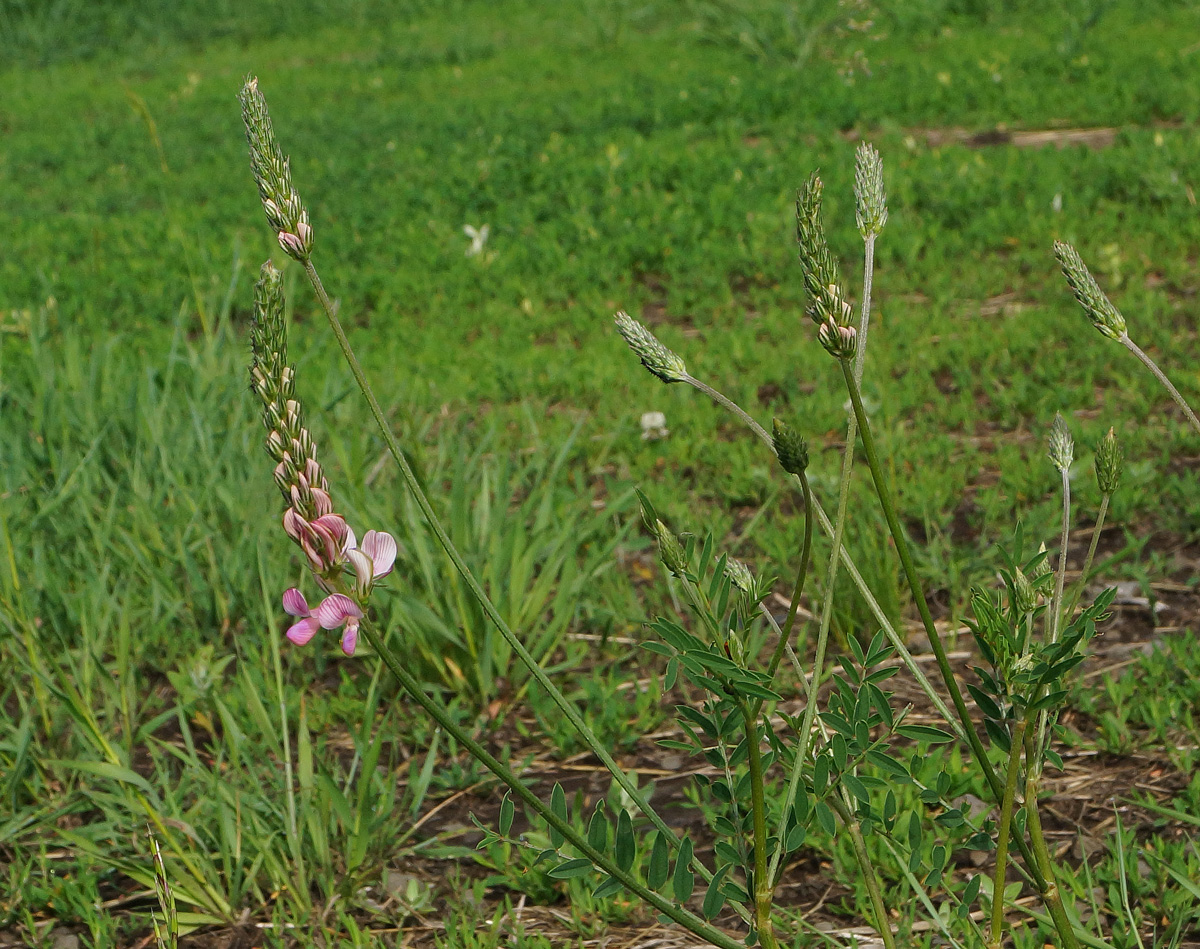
[1099, 309]
[670, 550]
[841, 342]
[739, 575]
[273, 174]
[1062, 446]
[659, 360]
[288, 442]
[1109, 462]
[1024, 595]
[870, 210]
[790, 447]
[827, 300]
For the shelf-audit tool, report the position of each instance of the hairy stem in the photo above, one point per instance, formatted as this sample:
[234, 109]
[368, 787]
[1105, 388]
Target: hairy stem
[435, 524]
[785, 636]
[867, 866]
[1077, 593]
[1006, 812]
[763, 890]
[1161, 377]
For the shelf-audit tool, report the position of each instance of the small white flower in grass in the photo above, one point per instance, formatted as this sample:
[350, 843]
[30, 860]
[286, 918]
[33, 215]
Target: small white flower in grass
[478, 239]
[654, 426]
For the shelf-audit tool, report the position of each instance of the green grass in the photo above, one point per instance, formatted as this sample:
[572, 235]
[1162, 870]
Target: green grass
[634, 156]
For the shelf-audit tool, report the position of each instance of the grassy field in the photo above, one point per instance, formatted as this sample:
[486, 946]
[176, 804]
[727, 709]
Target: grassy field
[641, 156]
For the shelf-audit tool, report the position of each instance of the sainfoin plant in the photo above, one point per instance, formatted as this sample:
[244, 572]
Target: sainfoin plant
[850, 765]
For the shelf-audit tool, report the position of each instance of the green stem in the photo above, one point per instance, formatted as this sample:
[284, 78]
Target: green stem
[798, 588]
[410, 684]
[865, 864]
[477, 591]
[763, 890]
[1077, 593]
[1006, 811]
[1050, 894]
[1161, 377]
[1061, 577]
[893, 637]
[935, 640]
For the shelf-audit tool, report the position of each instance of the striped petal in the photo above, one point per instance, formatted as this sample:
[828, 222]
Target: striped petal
[335, 610]
[381, 548]
[350, 638]
[294, 603]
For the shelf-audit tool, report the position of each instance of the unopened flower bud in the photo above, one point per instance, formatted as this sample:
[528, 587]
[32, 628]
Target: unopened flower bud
[1099, 309]
[790, 447]
[670, 550]
[1043, 565]
[1024, 595]
[839, 341]
[739, 575]
[659, 360]
[1062, 446]
[1109, 462]
[870, 210]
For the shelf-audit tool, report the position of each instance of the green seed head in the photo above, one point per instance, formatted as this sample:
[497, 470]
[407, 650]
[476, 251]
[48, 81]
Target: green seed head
[1099, 309]
[1062, 446]
[654, 355]
[870, 211]
[1109, 462]
[791, 447]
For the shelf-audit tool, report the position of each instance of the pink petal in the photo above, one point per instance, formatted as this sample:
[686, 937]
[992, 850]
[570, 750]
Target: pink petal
[294, 603]
[302, 632]
[381, 548]
[350, 638]
[292, 524]
[351, 542]
[335, 609]
[321, 502]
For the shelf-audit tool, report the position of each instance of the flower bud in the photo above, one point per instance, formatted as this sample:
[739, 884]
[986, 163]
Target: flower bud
[659, 360]
[1109, 462]
[1099, 309]
[739, 575]
[1024, 595]
[670, 550]
[839, 341]
[1062, 446]
[870, 210]
[790, 446]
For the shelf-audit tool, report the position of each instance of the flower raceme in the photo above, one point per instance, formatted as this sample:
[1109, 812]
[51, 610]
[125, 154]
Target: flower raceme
[310, 519]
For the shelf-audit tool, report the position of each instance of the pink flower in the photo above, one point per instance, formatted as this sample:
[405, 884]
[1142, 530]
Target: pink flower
[335, 611]
[374, 559]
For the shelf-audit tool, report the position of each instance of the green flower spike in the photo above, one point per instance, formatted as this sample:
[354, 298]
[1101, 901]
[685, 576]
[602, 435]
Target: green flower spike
[654, 355]
[1099, 309]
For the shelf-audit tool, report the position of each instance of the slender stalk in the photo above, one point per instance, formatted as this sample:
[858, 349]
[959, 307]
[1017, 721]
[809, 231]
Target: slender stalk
[434, 709]
[431, 518]
[785, 636]
[935, 640]
[1050, 895]
[1060, 579]
[1006, 812]
[1161, 376]
[763, 890]
[893, 637]
[1077, 593]
[864, 319]
[882, 926]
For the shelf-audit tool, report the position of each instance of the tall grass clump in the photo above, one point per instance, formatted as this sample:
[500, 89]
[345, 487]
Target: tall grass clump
[853, 770]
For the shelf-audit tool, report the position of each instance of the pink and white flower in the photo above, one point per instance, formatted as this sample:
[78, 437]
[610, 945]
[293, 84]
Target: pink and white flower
[374, 559]
[333, 612]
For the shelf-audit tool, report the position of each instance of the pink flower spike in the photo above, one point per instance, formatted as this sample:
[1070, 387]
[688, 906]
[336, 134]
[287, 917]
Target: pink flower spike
[301, 632]
[381, 548]
[350, 638]
[336, 609]
[294, 603]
